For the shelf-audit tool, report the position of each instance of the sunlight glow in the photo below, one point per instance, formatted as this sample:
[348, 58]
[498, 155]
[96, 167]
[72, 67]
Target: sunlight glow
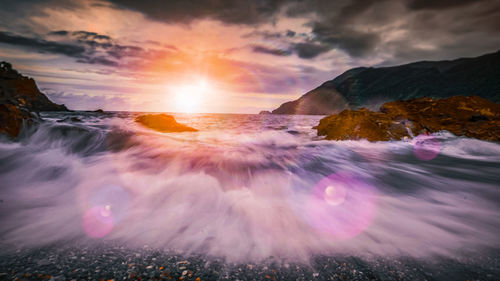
[189, 98]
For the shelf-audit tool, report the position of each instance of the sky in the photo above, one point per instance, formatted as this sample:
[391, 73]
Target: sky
[226, 56]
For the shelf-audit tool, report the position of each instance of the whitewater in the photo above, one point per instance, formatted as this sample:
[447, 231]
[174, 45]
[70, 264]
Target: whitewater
[246, 188]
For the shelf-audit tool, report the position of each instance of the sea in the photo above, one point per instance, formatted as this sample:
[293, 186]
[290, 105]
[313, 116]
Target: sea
[247, 188]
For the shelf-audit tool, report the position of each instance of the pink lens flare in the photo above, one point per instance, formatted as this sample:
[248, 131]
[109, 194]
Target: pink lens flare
[98, 221]
[426, 147]
[105, 207]
[341, 206]
[335, 194]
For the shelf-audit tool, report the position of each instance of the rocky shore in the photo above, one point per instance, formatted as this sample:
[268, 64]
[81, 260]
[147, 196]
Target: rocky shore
[472, 116]
[115, 262]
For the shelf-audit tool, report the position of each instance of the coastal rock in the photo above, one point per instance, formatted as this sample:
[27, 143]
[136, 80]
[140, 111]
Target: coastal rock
[463, 116]
[22, 91]
[264, 112]
[372, 86]
[13, 119]
[163, 123]
[99, 111]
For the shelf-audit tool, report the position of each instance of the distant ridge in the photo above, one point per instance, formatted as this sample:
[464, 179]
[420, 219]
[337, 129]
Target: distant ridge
[370, 86]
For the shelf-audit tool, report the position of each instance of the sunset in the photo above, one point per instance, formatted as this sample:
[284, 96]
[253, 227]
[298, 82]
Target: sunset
[249, 140]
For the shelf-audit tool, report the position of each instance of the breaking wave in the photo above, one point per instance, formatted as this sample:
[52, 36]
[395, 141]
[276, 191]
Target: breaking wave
[247, 187]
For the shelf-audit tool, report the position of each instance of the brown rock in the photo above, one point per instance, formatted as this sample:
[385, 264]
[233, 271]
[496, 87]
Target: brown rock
[12, 119]
[463, 116]
[163, 123]
[22, 91]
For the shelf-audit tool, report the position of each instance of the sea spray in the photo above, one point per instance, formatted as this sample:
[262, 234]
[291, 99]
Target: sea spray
[245, 187]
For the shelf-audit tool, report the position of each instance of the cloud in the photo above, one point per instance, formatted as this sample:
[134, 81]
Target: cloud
[438, 5]
[87, 47]
[227, 11]
[310, 50]
[270, 51]
[97, 60]
[360, 28]
[41, 45]
[353, 42]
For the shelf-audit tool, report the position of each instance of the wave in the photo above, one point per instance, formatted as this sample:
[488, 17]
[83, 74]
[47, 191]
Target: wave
[247, 187]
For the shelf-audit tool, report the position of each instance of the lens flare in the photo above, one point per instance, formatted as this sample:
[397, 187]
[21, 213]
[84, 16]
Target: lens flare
[98, 222]
[335, 195]
[105, 206]
[426, 147]
[341, 206]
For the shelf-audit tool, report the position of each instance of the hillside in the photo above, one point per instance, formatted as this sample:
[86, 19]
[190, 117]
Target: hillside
[371, 87]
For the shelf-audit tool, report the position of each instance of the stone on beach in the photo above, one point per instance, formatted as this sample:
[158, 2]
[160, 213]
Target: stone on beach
[163, 123]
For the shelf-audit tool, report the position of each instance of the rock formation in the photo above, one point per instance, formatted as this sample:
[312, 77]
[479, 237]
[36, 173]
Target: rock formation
[23, 92]
[19, 97]
[163, 123]
[371, 87]
[463, 116]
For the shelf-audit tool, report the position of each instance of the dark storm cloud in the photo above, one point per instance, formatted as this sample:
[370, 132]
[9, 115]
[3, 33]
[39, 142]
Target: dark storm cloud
[41, 45]
[270, 51]
[438, 5]
[353, 42]
[359, 28]
[228, 11]
[310, 50]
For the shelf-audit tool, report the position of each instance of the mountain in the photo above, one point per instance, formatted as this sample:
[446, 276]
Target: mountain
[22, 92]
[371, 87]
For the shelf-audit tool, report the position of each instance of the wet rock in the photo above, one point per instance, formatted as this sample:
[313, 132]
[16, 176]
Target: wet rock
[99, 111]
[13, 119]
[463, 116]
[163, 123]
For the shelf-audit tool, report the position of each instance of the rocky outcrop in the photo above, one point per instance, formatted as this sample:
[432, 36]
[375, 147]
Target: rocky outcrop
[371, 87]
[19, 97]
[22, 91]
[463, 116]
[264, 112]
[163, 123]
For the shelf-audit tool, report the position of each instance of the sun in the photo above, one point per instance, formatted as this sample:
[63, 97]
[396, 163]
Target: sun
[189, 98]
